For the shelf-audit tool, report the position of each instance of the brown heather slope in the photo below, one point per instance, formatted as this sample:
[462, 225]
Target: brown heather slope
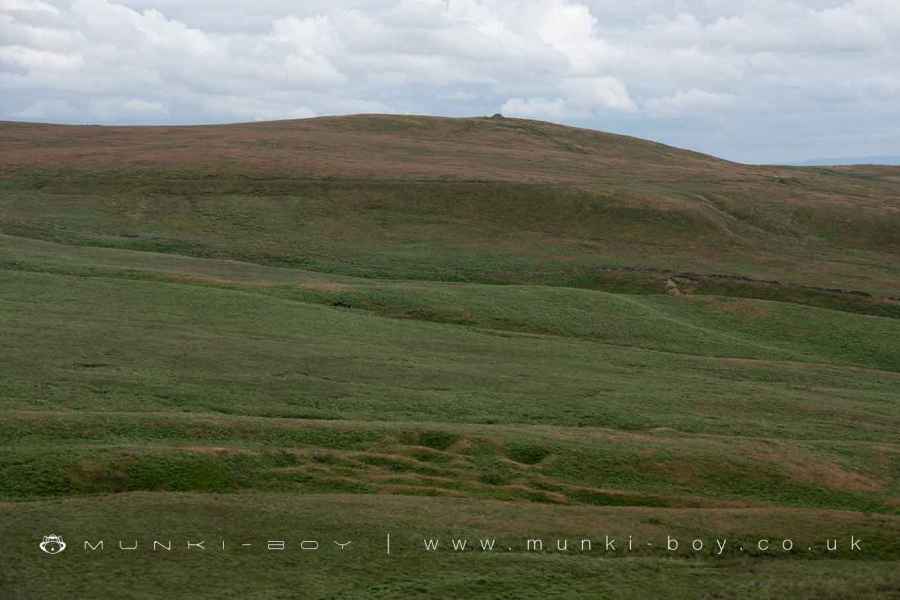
[564, 202]
[364, 146]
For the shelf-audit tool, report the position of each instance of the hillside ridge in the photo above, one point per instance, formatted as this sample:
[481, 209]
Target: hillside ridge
[450, 199]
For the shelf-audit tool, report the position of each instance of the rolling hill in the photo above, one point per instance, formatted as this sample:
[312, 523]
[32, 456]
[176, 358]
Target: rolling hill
[431, 326]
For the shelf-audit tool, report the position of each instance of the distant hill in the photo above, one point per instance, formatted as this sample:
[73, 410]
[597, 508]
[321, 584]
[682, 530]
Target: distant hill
[858, 160]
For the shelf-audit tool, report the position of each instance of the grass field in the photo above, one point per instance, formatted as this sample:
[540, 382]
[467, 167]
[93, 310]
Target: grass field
[435, 328]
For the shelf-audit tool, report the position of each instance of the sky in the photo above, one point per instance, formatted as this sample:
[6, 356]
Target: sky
[750, 80]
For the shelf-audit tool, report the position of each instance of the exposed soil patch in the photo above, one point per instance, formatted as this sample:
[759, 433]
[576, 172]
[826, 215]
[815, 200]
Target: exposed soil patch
[809, 469]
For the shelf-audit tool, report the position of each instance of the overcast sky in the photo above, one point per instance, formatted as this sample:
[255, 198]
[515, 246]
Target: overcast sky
[749, 80]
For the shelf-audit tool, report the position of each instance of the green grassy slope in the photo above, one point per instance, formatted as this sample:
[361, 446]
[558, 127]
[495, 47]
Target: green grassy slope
[400, 323]
[366, 571]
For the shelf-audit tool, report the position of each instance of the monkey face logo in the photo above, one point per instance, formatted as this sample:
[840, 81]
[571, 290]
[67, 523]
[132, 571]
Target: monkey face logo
[52, 544]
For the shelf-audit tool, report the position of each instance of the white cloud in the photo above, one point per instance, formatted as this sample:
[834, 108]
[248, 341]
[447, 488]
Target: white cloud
[49, 110]
[536, 108]
[31, 59]
[690, 102]
[27, 6]
[598, 93]
[582, 98]
[790, 73]
[140, 107]
[253, 109]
